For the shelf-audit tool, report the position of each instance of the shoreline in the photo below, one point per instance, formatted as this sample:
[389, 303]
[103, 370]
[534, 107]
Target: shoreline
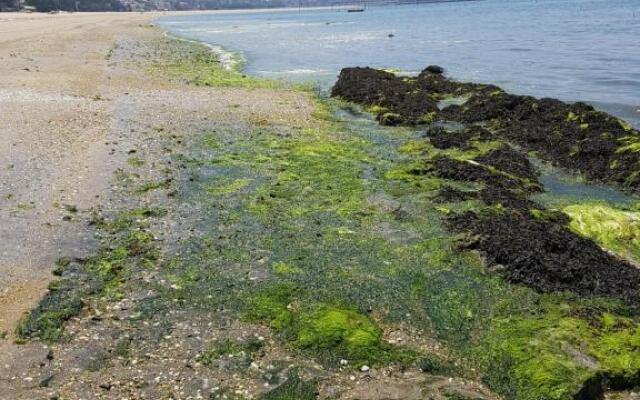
[230, 60]
[252, 240]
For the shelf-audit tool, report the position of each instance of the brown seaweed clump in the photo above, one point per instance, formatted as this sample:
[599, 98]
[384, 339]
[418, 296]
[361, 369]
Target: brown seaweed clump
[573, 136]
[398, 100]
[546, 256]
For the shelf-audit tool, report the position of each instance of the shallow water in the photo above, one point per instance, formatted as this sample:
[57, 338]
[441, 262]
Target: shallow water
[584, 50]
[562, 188]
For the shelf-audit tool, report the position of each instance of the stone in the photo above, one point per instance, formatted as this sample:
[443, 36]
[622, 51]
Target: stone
[435, 69]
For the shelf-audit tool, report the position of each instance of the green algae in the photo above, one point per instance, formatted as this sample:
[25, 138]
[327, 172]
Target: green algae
[436, 366]
[294, 388]
[241, 351]
[135, 162]
[272, 305]
[151, 186]
[229, 187]
[390, 119]
[330, 332]
[128, 219]
[429, 118]
[529, 349]
[336, 216]
[630, 144]
[282, 268]
[313, 170]
[625, 125]
[572, 117]
[552, 354]
[346, 333]
[376, 110]
[47, 320]
[614, 229]
[102, 274]
[195, 62]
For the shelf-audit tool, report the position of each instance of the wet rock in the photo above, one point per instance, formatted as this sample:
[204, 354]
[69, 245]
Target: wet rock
[469, 171]
[442, 138]
[451, 195]
[390, 119]
[434, 69]
[509, 160]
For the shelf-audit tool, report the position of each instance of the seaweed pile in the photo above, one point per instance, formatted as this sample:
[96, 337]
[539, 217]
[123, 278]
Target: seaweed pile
[530, 245]
[546, 256]
[401, 103]
[573, 136]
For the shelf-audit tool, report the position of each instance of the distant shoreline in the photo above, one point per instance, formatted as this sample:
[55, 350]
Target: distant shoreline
[344, 6]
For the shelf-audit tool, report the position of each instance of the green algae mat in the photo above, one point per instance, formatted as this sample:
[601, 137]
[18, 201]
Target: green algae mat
[334, 235]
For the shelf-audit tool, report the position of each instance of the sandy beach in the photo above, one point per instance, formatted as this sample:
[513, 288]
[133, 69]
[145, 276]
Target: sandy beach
[53, 151]
[71, 114]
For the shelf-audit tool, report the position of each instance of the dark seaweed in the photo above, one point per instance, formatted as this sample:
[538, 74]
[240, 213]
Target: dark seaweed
[573, 136]
[547, 256]
[399, 98]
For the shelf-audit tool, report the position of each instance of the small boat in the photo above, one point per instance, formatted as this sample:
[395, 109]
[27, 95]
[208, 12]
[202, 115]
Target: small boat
[359, 9]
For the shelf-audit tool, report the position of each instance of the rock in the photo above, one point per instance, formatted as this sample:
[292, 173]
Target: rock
[364, 368]
[105, 385]
[344, 362]
[44, 382]
[435, 69]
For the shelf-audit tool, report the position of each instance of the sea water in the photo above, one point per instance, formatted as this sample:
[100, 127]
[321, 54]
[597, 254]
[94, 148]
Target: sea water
[575, 50]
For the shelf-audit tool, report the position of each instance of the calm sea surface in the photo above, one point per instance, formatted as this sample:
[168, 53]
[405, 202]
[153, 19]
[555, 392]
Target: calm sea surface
[586, 50]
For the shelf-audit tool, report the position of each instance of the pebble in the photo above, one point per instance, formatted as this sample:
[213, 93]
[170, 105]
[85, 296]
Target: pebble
[364, 368]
